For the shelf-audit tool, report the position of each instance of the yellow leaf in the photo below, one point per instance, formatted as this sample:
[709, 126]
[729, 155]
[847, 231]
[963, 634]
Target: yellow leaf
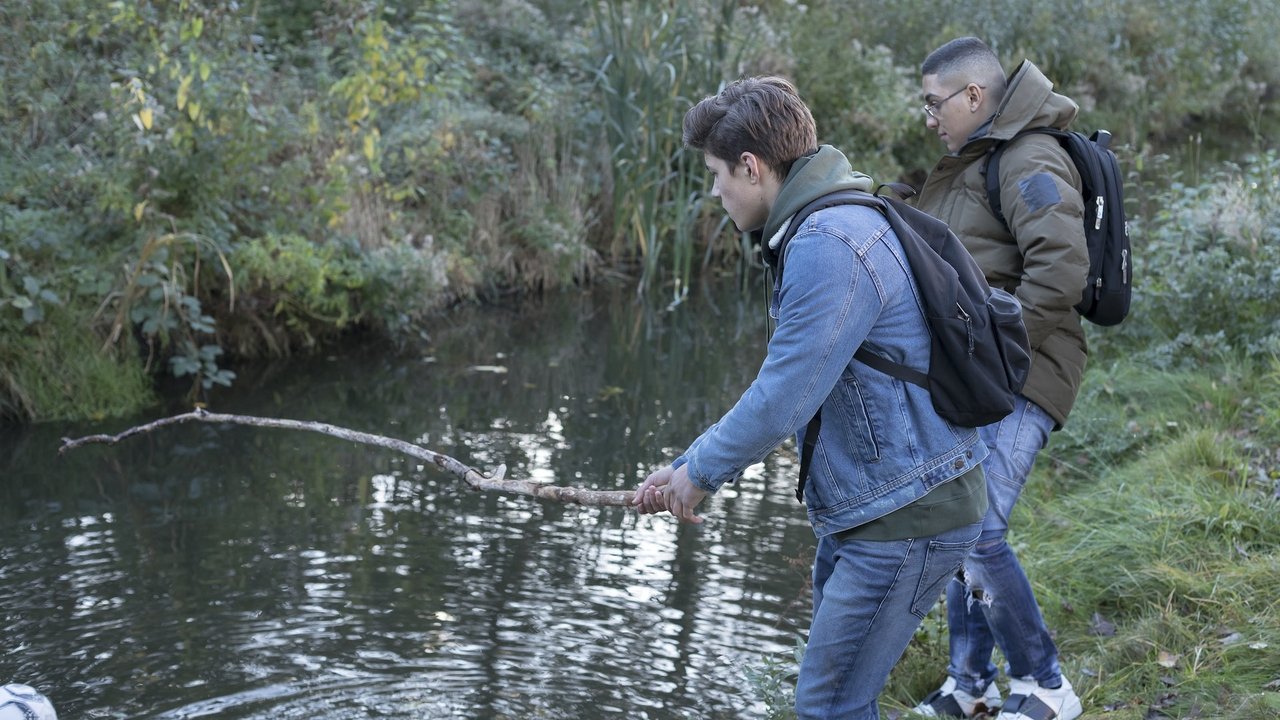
[183, 89]
[193, 109]
[144, 116]
[197, 27]
[204, 71]
[138, 210]
[369, 147]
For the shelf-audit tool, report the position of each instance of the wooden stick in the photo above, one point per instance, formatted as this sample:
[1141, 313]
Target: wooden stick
[495, 482]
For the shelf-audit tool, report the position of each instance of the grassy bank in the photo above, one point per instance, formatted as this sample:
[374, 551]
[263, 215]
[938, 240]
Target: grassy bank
[1150, 531]
[1151, 534]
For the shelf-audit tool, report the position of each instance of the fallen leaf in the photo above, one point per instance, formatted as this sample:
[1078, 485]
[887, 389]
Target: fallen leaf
[1167, 659]
[1101, 627]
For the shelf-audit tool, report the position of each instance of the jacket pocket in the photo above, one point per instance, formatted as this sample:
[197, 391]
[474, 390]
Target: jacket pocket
[856, 426]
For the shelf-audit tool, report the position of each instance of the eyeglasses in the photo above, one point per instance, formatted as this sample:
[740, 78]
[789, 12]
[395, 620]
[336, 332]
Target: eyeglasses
[931, 109]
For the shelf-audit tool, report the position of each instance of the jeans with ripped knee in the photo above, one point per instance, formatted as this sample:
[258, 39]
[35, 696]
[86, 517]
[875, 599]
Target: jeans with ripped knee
[994, 604]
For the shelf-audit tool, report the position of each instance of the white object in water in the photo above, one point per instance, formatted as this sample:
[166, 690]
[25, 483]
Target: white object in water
[23, 702]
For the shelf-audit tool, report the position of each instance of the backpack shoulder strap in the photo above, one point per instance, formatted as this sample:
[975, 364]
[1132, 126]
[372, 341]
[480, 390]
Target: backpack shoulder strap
[991, 167]
[893, 210]
[889, 208]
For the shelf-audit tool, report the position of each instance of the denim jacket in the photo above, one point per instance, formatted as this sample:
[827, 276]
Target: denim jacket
[882, 445]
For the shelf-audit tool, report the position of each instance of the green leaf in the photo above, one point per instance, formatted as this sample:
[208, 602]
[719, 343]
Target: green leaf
[183, 365]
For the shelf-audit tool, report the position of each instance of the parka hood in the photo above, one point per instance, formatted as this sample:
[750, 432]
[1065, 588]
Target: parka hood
[1029, 101]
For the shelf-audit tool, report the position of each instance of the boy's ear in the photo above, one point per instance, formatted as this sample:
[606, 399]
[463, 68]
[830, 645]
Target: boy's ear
[754, 166]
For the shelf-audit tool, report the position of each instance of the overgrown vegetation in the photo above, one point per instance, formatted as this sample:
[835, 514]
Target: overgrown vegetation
[187, 184]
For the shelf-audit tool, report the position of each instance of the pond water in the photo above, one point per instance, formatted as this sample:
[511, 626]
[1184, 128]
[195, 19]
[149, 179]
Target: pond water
[236, 572]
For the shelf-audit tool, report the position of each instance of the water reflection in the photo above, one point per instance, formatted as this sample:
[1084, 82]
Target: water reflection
[233, 572]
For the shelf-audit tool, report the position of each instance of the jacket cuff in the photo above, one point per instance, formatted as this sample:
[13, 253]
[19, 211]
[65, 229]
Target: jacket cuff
[699, 480]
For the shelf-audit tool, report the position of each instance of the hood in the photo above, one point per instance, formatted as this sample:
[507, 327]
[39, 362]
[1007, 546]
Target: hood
[1029, 101]
[812, 176]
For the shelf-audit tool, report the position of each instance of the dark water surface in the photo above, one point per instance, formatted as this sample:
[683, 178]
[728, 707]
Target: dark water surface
[237, 572]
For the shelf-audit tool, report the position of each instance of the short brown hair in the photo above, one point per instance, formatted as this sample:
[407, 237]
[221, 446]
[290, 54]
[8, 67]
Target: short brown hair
[760, 115]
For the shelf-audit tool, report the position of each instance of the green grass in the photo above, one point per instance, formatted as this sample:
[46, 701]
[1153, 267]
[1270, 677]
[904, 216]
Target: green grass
[60, 371]
[1150, 531]
[1173, 541]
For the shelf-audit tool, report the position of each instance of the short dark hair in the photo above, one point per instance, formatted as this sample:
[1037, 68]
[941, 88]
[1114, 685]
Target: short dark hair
[760, 115]
[970, 60]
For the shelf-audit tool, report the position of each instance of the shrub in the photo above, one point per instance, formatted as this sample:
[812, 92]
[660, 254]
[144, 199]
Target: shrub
[443, 150]
[862, 101]
[1206, 270]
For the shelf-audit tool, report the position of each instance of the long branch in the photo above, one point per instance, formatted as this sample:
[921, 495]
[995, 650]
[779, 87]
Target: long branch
[495, 482]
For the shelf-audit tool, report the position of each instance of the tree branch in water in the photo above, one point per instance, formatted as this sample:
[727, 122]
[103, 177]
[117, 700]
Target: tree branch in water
[496, 482]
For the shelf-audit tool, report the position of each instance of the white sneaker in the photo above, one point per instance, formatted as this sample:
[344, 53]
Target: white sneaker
[1028, 701]
[947, 701]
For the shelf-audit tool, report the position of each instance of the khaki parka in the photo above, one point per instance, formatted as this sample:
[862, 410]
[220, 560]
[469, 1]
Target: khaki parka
[1044, 260]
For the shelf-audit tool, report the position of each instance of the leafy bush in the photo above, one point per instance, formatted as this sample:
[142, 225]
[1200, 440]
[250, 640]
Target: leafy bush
[862, 101]
[439, 150]
[1148, 70]
[292, 294]
[148, 143]
[1206, 271]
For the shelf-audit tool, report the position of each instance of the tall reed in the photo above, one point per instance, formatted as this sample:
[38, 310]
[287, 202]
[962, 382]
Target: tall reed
[657, 60]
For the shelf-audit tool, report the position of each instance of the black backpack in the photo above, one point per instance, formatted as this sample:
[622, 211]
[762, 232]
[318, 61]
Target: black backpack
[1105, 300]
[979, 355]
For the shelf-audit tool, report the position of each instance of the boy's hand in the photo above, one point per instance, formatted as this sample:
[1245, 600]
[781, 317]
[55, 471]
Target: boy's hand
[671, 490]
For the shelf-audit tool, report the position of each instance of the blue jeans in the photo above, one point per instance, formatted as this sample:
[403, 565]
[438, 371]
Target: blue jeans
[868, 599]
[995, 604]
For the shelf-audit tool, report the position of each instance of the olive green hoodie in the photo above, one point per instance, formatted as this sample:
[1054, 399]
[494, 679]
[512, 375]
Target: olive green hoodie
[819, 173]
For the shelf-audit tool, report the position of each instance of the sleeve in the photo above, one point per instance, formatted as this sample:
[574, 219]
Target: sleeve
[828, 303]
[1039, 191]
